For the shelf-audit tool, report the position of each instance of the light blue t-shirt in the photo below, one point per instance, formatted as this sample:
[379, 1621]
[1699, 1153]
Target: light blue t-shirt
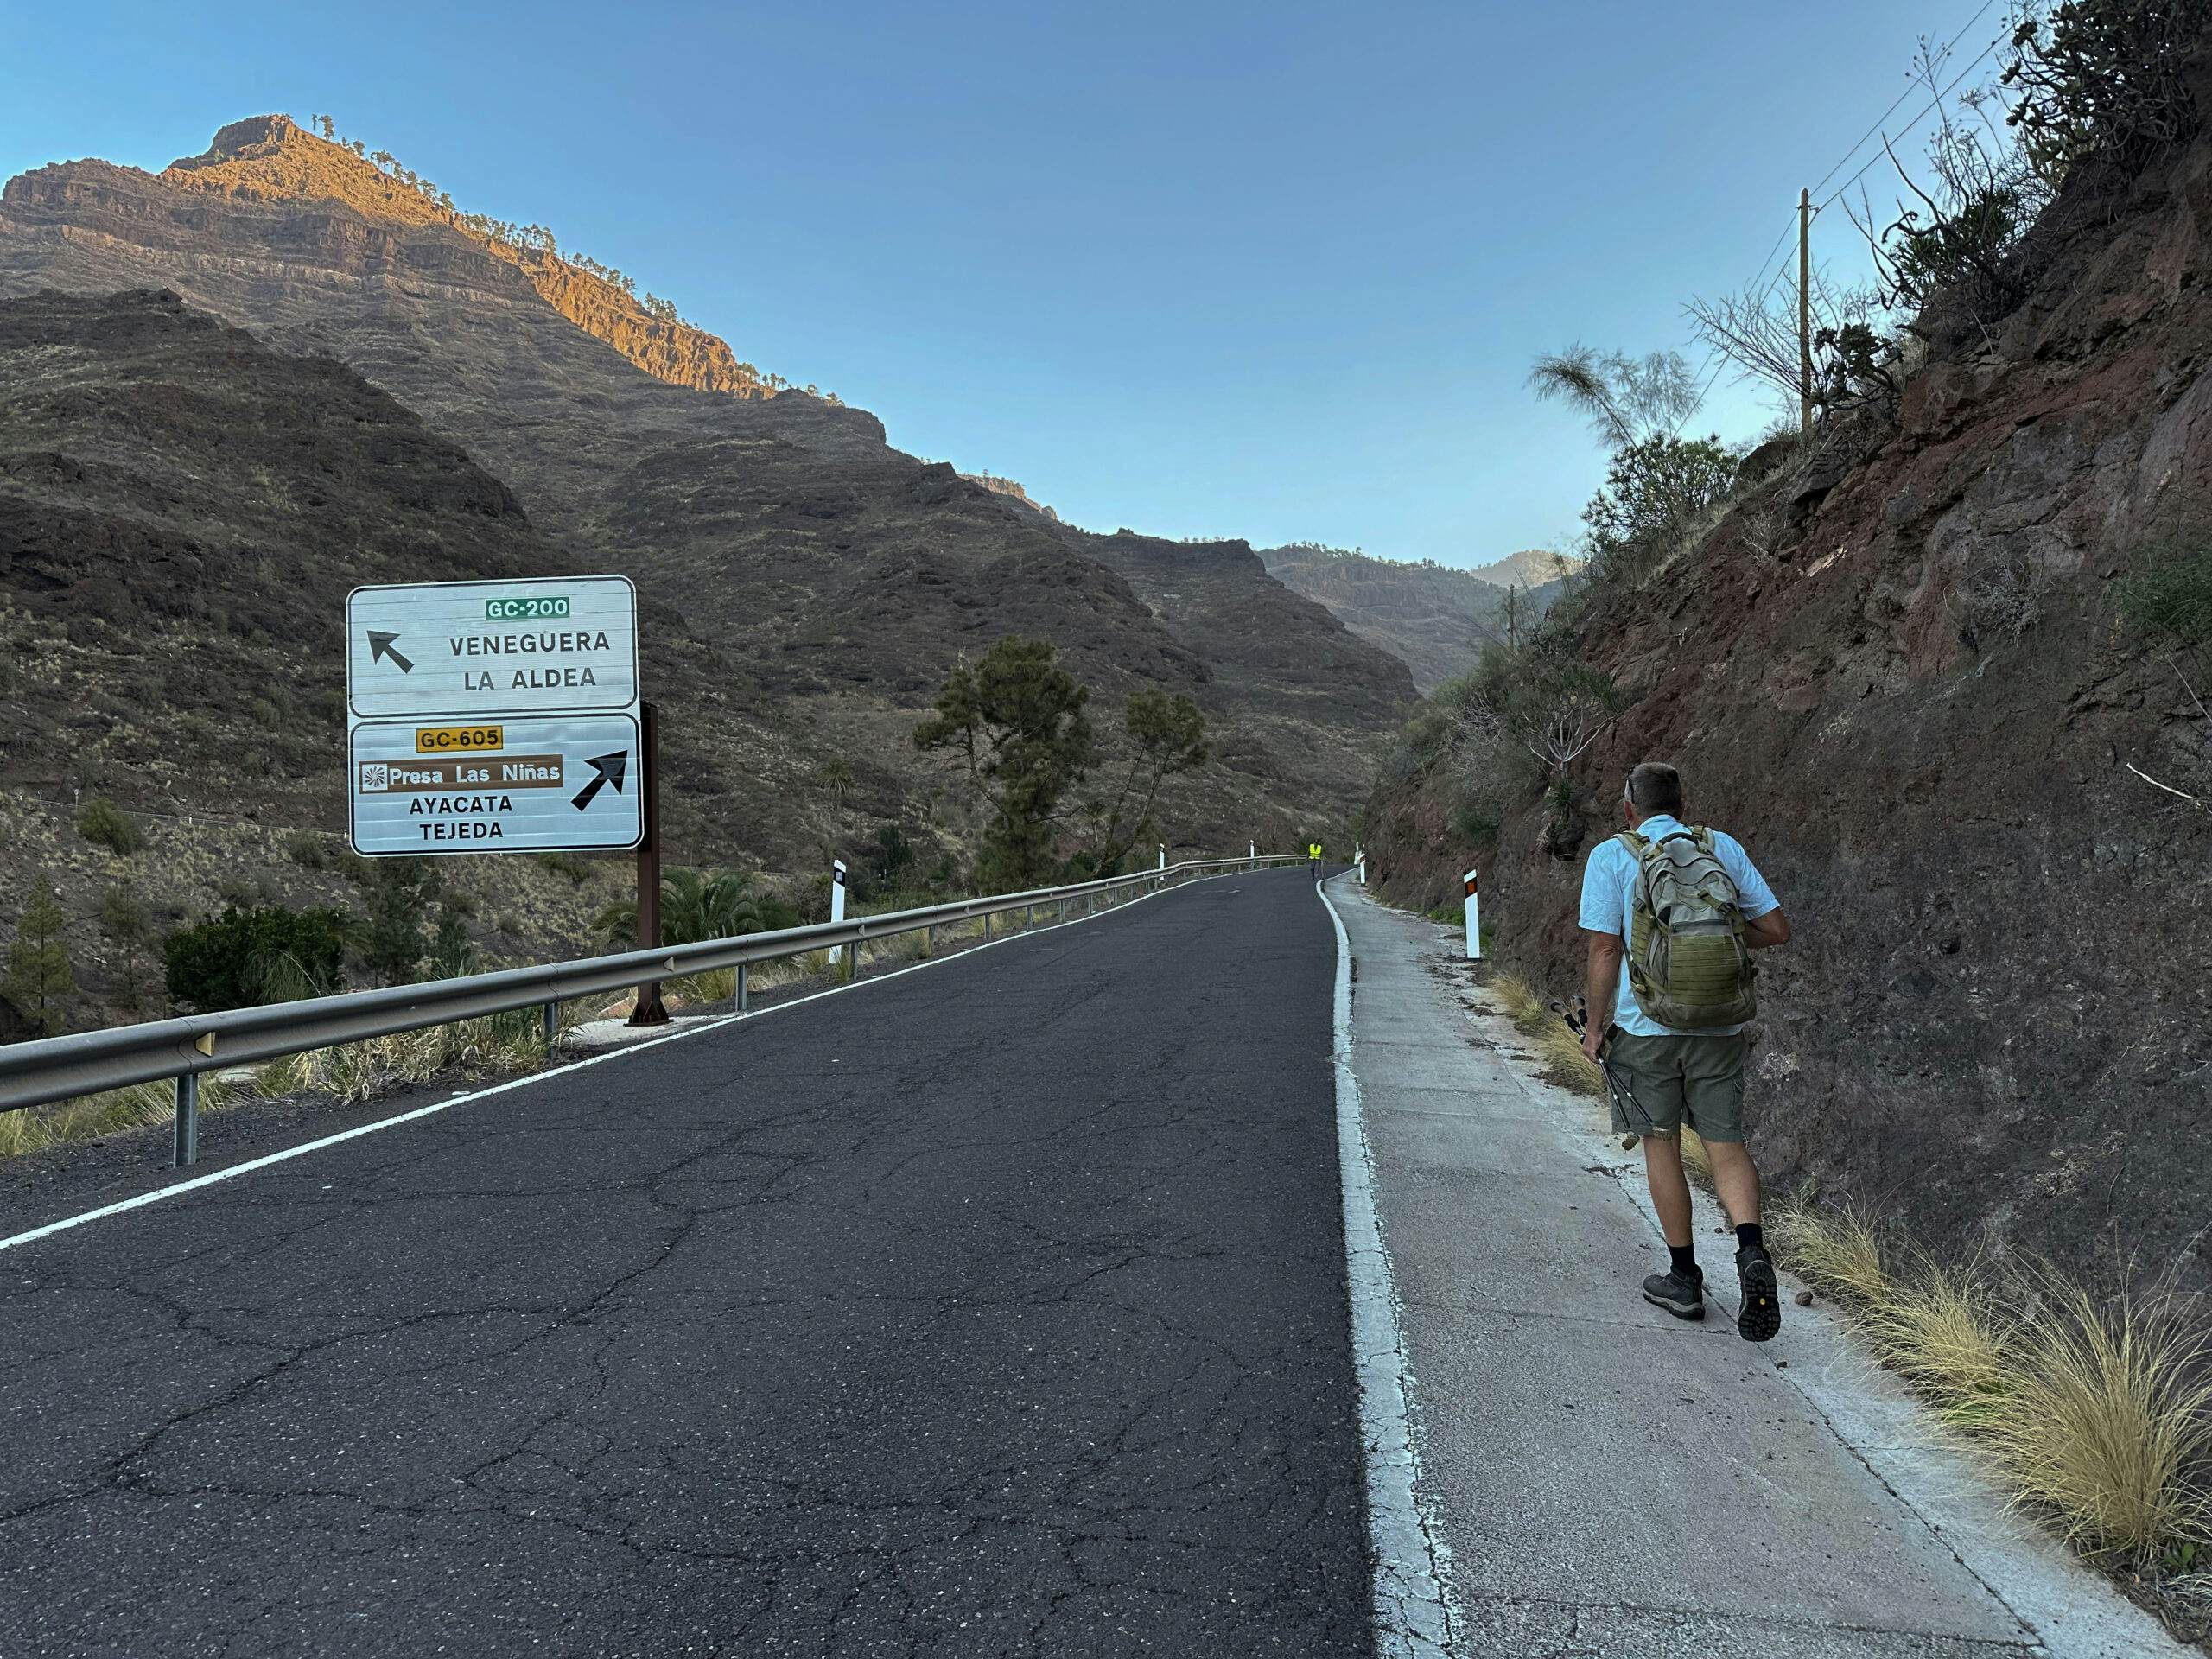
[1608, 901]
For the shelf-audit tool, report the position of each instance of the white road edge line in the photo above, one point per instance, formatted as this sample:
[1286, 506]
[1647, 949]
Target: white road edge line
[1413, 1608]
[178, 1188]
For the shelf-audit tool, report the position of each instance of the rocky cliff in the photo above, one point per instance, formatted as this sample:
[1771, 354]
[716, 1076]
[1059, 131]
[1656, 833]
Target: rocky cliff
[832, 579]
[1898, 670]
[1013, 491]
[268, 158]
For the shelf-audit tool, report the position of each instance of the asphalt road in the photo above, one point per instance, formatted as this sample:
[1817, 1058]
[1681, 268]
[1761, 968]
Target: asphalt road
[999, 1309]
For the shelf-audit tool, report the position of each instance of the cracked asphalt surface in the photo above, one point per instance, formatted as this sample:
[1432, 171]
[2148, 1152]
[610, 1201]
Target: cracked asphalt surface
[996, 1310]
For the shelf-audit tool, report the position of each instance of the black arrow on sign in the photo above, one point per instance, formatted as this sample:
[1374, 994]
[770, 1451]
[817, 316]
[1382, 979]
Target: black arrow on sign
[380, 646]
[607, 769]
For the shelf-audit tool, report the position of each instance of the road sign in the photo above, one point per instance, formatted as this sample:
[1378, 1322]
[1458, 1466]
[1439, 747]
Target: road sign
[469, 650]
[547, 783]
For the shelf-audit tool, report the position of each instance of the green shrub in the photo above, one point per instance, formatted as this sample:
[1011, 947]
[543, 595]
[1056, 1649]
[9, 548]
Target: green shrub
[2108, 78]
[239, 890]
[1475, 825]
[307, 849]
[575, 865]
[105, 824]
[243, 958]
[2171, 588]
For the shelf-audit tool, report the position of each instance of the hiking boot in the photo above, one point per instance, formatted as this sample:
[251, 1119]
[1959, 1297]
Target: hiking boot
[1762, 1314]
[1681, 1294]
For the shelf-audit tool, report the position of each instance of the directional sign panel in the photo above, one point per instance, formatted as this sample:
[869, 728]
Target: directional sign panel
[479, 650]
[535, 783]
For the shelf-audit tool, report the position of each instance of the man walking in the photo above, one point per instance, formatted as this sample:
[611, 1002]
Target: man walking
[1672, 913]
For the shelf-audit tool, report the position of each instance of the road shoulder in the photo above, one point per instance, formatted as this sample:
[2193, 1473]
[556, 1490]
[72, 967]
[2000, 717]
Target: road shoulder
[1600, 1473]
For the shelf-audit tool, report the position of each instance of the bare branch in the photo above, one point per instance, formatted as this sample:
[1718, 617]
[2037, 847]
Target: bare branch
[2193, 800]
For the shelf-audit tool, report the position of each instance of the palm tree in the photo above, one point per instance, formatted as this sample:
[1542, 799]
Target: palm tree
[695, 905]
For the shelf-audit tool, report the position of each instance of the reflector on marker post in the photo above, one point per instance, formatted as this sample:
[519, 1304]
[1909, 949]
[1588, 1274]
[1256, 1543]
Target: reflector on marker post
[1474, 921]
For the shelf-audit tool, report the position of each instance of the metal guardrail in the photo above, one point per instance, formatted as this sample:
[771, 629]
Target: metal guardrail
[88, 1063]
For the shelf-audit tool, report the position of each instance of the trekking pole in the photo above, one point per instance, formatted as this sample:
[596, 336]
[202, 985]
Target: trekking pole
[1579, 1023]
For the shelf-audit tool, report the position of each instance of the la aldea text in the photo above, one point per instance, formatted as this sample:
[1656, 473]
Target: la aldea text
[528, 679]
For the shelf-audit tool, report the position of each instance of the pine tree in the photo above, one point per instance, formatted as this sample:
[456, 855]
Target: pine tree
[39, 980]
[129, 927]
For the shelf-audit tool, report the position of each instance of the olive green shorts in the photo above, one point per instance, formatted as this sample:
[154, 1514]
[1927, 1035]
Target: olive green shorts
[1674, 1078]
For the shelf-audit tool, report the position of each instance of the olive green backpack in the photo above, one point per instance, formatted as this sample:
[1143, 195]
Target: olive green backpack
[1687, 964]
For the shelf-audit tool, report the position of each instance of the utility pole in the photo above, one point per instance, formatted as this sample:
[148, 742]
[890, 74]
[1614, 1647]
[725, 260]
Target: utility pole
[1805, 311]
[1513, 618]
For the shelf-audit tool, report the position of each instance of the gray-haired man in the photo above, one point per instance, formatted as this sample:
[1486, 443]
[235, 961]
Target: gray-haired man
[1679, 1075]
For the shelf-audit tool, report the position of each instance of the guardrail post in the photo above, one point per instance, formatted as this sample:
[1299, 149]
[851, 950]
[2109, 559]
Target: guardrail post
[929, 940]
[987, 927]
[184, 1141]
[741, 967]
[552, 1028]
[1030, 921]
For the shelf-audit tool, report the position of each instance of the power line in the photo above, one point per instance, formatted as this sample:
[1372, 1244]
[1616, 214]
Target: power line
[1933, 104]
[1948, 46]
[1782, 272]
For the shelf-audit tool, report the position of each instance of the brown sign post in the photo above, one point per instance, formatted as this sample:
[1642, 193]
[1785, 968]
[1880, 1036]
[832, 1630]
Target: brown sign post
[650, 1010]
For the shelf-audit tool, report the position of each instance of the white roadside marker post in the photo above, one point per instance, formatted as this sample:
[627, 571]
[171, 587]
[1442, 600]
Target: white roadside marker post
[1252, 857]
[1474, 921]
[1161, 879]
[837, 914]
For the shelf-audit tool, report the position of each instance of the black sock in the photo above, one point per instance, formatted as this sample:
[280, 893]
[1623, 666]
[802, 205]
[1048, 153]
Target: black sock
[1749, 1237]
[1684, 1257]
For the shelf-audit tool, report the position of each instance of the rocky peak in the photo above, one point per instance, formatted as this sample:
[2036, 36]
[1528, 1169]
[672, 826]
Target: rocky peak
[1013, 491]
[271, 158]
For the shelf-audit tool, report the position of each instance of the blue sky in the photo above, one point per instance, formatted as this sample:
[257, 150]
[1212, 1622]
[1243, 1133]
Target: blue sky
[1271, 270]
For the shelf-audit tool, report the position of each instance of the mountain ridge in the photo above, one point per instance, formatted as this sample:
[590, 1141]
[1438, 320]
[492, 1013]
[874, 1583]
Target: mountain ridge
[1435, 618]
[272, 159]
[834, 578]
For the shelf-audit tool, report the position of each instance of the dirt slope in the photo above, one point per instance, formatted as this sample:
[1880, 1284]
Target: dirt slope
[837, 577]
[1925, 718]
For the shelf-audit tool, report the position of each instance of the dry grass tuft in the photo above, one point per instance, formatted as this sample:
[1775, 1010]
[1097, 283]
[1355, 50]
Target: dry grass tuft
[1836, 1250]
[2096, 1414]
[1946, 1328]
[2107, 1420]
[497, 1043]
[119, 1111]
[1555, 1044]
